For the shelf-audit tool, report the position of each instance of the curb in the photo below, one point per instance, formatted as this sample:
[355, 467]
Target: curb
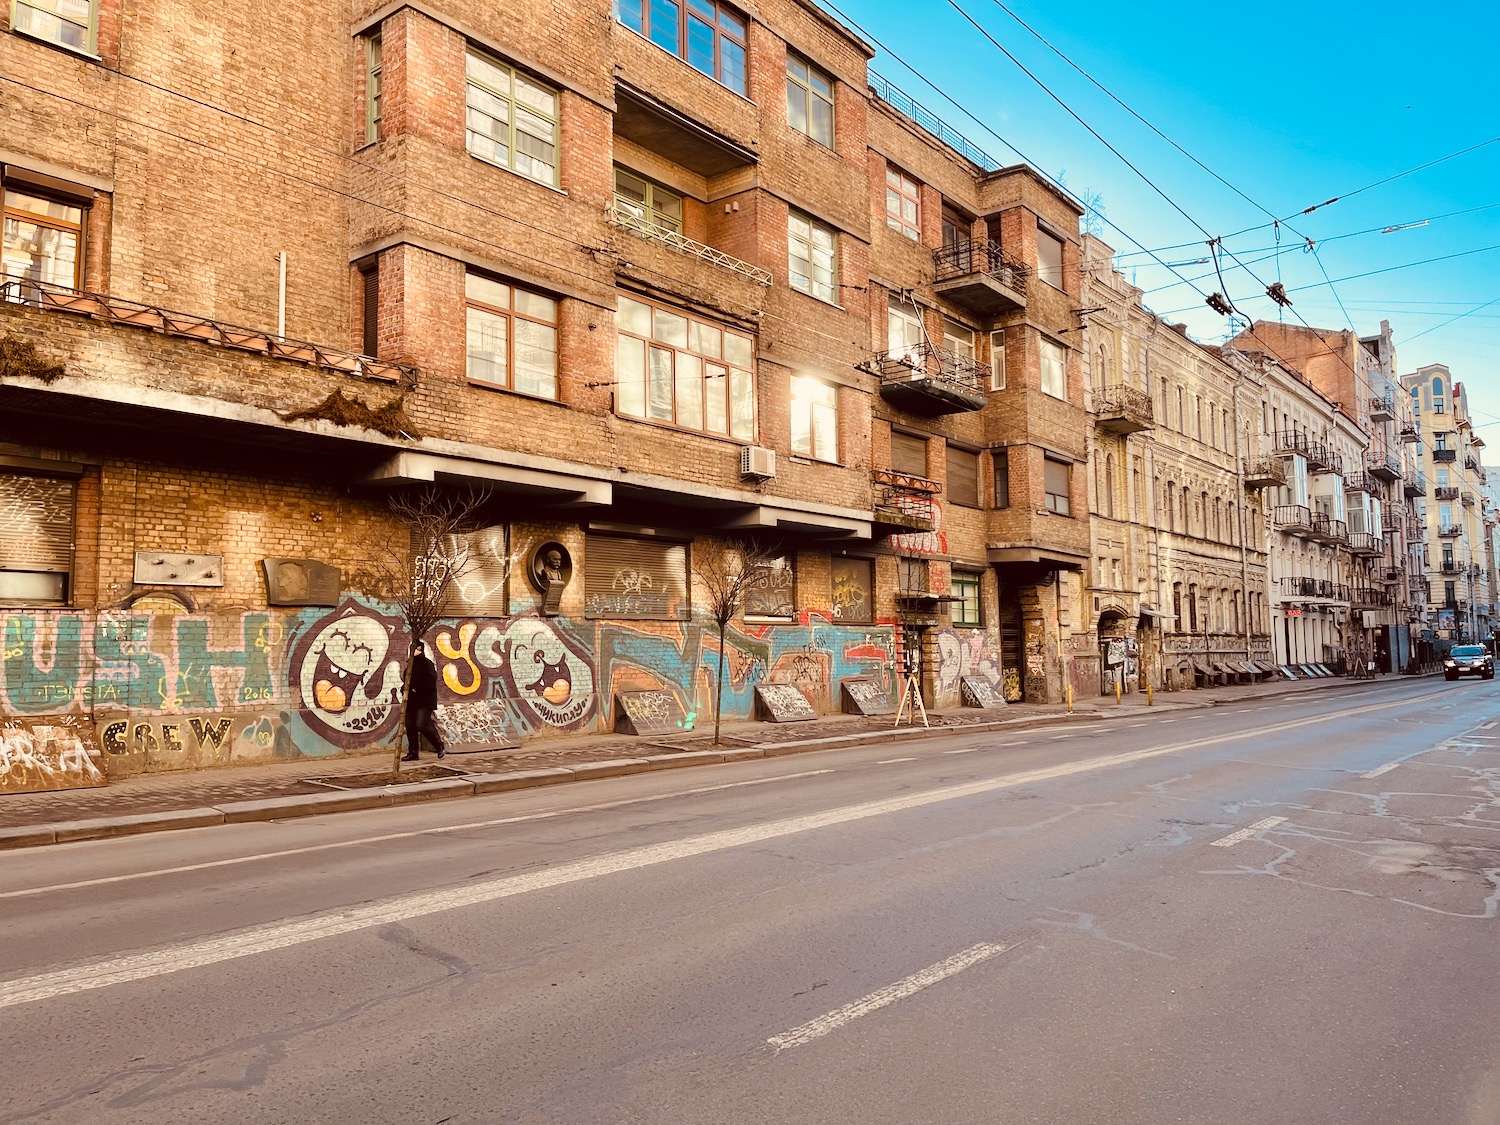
[470, 785]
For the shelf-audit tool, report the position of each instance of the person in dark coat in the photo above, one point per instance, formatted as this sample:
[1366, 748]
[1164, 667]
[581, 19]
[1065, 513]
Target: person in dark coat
[421, 705]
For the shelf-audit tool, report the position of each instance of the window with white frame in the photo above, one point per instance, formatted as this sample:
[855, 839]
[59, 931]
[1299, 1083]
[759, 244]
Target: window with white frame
[812, 257]
[68, 23]
[644, 201]
[1057, 483]
[809, 100]
[511, 120]
[709, 37]
[903, 333]
[372, 89]
[966, 611]
[815, 418]
[997, 360]
[903, 203]
[512, 337]
[958, 340]
[681, 370]
[1049, 259]
[1054, 370]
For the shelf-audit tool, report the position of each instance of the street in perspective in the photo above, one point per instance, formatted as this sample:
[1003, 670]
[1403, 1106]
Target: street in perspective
[1277, 909]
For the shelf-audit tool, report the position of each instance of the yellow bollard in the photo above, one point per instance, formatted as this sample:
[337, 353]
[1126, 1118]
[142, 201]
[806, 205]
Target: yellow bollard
[1150, 701]
[1117, 693]
[1070, 699]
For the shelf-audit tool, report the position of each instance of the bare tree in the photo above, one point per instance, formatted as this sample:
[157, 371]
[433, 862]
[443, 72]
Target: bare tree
[417, 567]
[728, 572]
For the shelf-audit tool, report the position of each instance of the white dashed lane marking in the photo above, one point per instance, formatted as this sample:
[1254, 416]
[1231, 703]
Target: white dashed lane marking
[1245, 833]
[1378, 770]
[893, 761]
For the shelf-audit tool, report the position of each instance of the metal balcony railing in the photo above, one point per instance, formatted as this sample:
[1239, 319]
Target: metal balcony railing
[1409, 432]
[1467, 498]
[1413, 483]
[1444, 456]
[1293, 518]
[1383, 464]
[1383, 408]
[908, 106]
[971, 256]
[1365, 543]
[929, 380]
[1123, 410]
[1328, 529]
[1265, 472]
[1470, 461]
[1445, 492]
[1450, 531]
[628, 220]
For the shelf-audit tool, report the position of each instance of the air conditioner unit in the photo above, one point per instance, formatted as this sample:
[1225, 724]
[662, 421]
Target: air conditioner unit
[757, 461]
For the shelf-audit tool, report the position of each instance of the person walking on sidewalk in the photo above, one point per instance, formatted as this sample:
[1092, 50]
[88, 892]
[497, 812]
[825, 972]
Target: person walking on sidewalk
[421, 705]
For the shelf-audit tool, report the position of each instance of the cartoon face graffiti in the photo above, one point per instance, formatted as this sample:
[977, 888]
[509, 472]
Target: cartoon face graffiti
[340, 675]
[555, 682]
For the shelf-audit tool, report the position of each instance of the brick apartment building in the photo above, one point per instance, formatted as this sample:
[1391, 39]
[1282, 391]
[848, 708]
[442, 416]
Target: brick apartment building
[648, 275]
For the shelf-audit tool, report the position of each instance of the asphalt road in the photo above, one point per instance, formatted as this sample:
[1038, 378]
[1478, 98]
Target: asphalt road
[1274, 912]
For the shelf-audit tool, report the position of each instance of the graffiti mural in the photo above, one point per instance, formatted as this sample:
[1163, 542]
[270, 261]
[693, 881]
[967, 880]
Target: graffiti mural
[348, 688]
[965, 652]
[56, 754]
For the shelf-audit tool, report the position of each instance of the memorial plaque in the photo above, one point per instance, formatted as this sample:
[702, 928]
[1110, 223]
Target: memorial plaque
[649, 712]
[158, 568]
[301, 582]
[784, 703]
[976, 691]
[866, 697]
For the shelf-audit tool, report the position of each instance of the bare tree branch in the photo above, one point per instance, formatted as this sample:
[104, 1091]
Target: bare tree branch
[728, 572]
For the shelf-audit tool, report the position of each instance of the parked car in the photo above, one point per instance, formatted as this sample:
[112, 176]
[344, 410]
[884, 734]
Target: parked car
[1469, 660]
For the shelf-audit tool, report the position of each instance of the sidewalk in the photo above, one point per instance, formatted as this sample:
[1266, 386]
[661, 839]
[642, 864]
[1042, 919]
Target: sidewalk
[158, 802]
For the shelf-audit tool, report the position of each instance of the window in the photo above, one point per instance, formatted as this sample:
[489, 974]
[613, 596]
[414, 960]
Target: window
[903, 203]
[775, 599]
[815, 418]
[1054, 370]
[963, 477]
[512, 337]
[678, 369]
[909, 454]
[958, 340]
[372, 89]
[369, 278]
[956, 227]
[1049, 259]
[1057, 482]
[903, 334]
[809, 100]
[43, 241]
[997, 360]
[853, 590]
[708, 36]
[511, 120]
[36, 539]
[68, 23]
[1000, 458]
[638, 198]
[966, 590]
[812, 252]
[635, 579]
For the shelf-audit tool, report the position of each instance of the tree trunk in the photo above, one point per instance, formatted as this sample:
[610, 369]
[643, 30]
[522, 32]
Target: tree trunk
[719, 687]
[401, 716]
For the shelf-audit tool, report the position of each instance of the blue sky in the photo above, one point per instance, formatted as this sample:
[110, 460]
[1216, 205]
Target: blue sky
[1292, 106]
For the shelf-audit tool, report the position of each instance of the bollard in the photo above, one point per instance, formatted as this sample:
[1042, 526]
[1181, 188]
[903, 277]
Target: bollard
[1117, 693]
[1070, 699]
[1150, 700]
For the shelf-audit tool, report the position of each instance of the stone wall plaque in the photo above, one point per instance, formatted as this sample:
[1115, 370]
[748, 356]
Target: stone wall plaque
[979, 692]
[301, 582]
[158, 568]
[864, 696]
[784, 703]
[649, 712]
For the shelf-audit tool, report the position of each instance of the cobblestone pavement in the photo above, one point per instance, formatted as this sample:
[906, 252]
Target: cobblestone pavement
[188, 790]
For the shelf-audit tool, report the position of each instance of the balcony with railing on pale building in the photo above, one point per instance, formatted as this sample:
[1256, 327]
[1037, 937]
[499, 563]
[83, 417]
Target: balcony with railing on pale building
[1119, 409]
[1445, 492]
[1444, 456]
[1294, 519]
[1413, 484]
[1265, 472]
[1383, 408]
[930, 381]
[1450, 531]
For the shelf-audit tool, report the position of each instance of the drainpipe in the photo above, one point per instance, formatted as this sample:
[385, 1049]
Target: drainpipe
[281, 295]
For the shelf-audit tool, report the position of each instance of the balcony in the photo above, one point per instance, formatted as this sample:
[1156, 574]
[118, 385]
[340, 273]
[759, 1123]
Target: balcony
[1295, 519]
[1445, 492]
[1471, 462]
[1321, 459]
[1264, 472]
[1290, 441]
[1390, 521]
[628, 220]
[1383, 409]
[1409, 433]
[1326, 529]
[1393, 575]
[1467, 498]
[922, 379]
[1361, 481]
[1414, 484]
[978, 275]
[1367, 597]
[903, 502]
[1366, 544]
[1450, 531]
[1123, 410]
[1444, 456]
[1450, 566]
[1382, 465]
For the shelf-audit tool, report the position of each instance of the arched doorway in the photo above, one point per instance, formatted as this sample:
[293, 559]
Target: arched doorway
[1117, 643]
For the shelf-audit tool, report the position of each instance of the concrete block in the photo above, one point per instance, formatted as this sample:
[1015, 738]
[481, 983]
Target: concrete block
[519, 779]
[306, 804]
[71, 830]
[615, 767]
[419, 791]
[686, 758]
[28, 836]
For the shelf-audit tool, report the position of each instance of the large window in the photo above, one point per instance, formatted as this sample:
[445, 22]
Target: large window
[635, 579]
[1054, 370]
[1049, 259]
[775, 597]
[1000, 458]
[43, 240]
[958, 340]
[639, 198]
[1058, 484]
[966, 589]
[853, 591]
[997, 360]
[372, 89]
[809, 100]
[963, 477]
[709, 36]
[678, 369]
[812, 257]
[512, 337]
[903, 333]
[815, 418]
[68, 23]
[511, 120]
[903, 203]
[36, 539]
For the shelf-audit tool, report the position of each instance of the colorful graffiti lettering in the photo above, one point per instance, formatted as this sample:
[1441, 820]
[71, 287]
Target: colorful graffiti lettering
[37, 756]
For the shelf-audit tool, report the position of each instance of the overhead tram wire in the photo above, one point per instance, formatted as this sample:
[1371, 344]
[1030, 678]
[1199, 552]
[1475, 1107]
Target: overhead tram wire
[1451, 319]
